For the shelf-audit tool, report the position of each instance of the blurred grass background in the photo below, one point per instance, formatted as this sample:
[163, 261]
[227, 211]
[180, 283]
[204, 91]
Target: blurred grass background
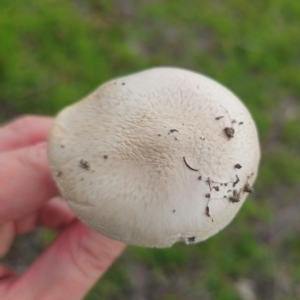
[53, 53]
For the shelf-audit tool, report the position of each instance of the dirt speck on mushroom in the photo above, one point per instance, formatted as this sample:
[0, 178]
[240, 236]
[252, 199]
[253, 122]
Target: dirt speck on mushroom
[188, 165]
[173, 130]
[248, 188]
[84, 164]
[236, 181]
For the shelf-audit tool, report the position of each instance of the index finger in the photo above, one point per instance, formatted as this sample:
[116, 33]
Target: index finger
[23, 132]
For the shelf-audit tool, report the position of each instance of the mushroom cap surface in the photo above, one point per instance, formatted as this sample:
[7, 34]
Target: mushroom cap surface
[146, 159]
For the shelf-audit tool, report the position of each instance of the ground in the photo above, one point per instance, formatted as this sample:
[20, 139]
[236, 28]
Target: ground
[53, 53]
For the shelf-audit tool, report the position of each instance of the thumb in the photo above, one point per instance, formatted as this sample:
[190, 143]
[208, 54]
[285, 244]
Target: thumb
[69, 267]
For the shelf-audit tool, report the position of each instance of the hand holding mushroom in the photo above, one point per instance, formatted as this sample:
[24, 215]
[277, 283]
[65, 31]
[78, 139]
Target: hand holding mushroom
[155, 158]
[69, 267]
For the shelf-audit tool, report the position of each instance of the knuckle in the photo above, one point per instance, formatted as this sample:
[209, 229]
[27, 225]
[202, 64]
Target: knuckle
[91, 254]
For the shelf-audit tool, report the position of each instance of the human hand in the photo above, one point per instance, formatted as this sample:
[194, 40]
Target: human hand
[76, 259]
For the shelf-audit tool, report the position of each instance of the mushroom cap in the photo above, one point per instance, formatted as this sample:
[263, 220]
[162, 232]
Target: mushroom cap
[145, 159]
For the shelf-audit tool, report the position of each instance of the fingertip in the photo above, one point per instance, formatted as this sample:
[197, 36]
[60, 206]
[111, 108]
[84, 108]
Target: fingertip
[55, 214]
[24, 131]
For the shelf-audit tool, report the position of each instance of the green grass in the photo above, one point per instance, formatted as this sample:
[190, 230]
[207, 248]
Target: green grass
[53, 53]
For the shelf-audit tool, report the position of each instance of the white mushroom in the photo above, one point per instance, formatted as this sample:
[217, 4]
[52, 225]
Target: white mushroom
[156, 157]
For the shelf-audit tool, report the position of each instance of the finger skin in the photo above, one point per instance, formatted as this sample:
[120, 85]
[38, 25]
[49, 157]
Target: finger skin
[5, 272]
[78, 256]
[25, 182]
[24, 131]
[7, 234]
[54, 215]
[68, 268]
